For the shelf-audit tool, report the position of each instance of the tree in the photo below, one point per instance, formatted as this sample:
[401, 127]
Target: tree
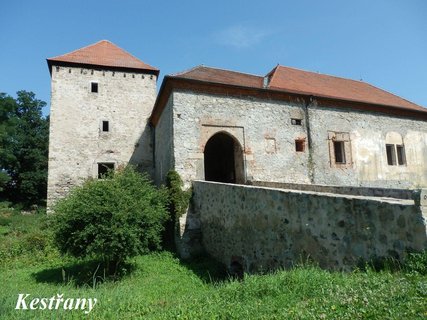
[24, 134]
[111, 219]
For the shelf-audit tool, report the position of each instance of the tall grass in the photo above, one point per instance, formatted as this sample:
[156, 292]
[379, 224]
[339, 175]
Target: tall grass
[160, 286]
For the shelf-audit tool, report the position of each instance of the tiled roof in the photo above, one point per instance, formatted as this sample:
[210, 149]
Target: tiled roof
[292, 80]
[203, 73]
[103, 53]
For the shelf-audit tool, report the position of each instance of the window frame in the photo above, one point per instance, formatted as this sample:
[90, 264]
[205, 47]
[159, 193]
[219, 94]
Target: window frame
[345, 146]
[395, 154]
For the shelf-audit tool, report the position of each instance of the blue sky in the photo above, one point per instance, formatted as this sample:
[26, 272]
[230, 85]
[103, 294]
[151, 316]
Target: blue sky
[383, 42]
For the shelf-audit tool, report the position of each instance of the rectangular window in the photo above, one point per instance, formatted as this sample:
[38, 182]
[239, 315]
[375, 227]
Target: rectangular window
[105, 126]
[339, 151]
[104, 168]
[401, 158]
[391, 154]
[299, 145]
[94, 87]
[296, 122]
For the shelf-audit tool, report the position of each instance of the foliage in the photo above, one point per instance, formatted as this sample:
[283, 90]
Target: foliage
[179, 198]
[22, 235]
[24, 134]
[111, 219]
[161, 287]
[416, 263]
[179, 202]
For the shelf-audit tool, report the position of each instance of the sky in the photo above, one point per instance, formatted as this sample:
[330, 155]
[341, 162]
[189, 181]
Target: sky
[382, 42]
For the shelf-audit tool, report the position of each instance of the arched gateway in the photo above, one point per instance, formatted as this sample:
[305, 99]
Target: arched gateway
[223, 159]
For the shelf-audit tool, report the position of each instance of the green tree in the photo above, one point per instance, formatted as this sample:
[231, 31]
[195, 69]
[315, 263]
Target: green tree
[111, 219]
[24, 134]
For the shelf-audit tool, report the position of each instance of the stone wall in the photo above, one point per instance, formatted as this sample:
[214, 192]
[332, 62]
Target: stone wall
[164, 144]
[264, 228]
[369, 133]
[267, 136]
[77, 143]
[356, 191]
[263, 129]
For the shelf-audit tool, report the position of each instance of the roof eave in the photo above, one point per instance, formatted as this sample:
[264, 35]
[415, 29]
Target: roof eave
[51, 63]
[271, 93]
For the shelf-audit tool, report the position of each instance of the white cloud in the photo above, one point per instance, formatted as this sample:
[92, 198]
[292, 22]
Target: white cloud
[239, 36]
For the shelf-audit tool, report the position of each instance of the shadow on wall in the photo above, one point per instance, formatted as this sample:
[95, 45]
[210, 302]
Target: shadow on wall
[142, 156]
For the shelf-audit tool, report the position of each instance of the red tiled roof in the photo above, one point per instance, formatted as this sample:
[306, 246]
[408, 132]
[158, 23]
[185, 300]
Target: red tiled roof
[209, 74]
[294, 80]
[103, 53]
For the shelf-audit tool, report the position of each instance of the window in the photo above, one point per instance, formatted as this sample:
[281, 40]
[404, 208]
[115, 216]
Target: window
[339, 151]
[299, 145]
[391, 155]
[401, 158]
[104, 168]
[395, 154]
[105, 126]
[296, 122]
[94, 87]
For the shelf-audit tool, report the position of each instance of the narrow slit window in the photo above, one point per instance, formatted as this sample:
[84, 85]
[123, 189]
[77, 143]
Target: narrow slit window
[94, 86]
[401, 158]
[104, 168]
[105, 126]
[391, 154]
[339, 151]
[299, 145]
[296, 122]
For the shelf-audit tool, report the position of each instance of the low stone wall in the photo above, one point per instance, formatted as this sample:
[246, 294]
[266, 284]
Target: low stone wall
[265, 228]
[357, 191]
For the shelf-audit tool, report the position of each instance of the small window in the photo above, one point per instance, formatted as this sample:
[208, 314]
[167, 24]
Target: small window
[94, 87]
[391, 154]
[296, 122]
[299, 145]
[395, 155]
[105, 126]
[339, 151]
[104, 168]
[401, 158]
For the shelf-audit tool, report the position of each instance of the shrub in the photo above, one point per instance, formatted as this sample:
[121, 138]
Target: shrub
[416, 263]
[179, 198]
[111, 219]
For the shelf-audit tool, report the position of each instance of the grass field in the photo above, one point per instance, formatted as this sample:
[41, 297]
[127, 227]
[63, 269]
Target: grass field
[160, 286]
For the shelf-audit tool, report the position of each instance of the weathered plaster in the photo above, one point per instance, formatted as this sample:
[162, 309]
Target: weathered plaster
[77, 143]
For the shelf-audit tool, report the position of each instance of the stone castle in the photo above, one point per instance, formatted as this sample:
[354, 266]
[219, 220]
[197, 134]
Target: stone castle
[290, 129]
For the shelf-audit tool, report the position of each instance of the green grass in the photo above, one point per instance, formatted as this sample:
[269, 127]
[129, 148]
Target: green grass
[160, 286]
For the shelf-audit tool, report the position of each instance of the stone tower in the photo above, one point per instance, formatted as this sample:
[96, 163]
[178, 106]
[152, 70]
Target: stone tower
[101, 99]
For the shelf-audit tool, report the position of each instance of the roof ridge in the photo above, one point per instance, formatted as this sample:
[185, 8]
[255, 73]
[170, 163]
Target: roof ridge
[215, 68]
[103, 53]
[185, 71]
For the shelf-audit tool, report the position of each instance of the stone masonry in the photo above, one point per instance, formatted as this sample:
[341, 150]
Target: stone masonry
[77, 143]
[267, 136]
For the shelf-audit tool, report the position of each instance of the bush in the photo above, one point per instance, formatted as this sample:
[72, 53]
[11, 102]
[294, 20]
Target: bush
[179, 198]
[111, 219]
[416, 263]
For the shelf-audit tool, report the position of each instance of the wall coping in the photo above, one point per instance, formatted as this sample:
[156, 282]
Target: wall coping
[406, 202]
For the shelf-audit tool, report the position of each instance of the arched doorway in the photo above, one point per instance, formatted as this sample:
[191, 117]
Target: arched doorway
[223, 159]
